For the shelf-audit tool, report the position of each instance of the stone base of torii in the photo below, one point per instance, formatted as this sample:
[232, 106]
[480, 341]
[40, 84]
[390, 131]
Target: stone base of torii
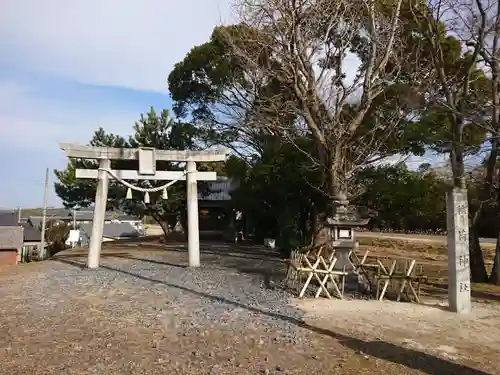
[147, 158]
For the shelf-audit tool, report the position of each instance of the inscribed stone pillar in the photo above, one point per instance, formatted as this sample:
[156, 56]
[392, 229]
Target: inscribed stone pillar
[459, 288]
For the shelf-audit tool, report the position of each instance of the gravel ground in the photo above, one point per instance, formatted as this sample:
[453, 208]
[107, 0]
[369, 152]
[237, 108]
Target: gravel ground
[144, 312]
[149, 316]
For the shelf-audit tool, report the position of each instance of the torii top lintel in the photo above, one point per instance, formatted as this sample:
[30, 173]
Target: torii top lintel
[73, 150]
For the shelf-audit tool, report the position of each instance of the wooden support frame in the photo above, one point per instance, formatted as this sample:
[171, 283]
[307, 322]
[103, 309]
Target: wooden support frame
[406, 283]
[386, 278]
[315, 266]
[329, 277]
[312, 270]
[364, 269]
[402, 281]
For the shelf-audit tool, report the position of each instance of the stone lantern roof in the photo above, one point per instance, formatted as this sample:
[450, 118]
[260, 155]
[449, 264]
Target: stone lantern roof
[345, 216]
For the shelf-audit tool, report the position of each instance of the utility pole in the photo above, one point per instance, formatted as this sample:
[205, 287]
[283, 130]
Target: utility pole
[19, 212]
[44, 216]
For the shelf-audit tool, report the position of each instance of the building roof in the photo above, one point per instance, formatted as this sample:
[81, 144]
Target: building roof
[9, 220]
[50, 212]
[31, 234]
[11, 237]
[113, 230]
[35, 221]
[88, 215]
[60, 212]
[126, 218]
[219, 190]
[82, 215]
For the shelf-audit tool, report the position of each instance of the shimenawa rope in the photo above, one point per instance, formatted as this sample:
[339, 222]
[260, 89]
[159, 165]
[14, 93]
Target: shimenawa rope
[146, 191]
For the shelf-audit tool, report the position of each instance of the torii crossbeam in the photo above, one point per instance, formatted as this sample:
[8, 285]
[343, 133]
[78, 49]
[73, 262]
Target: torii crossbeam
[147, 158]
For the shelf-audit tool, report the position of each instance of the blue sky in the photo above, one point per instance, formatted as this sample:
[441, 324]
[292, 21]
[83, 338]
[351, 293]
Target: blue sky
[37, 111]
[68, 67]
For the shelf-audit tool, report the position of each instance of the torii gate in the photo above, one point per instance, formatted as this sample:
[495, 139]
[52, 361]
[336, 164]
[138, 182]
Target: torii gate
[147, 157]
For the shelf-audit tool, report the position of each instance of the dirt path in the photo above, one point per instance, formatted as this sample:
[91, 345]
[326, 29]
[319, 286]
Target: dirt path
[144, 312]
[414, 338]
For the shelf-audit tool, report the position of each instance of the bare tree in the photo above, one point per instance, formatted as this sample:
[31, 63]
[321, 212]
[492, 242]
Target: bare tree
[343, 75]
[217, 91]
[489, 50]
[463, 92]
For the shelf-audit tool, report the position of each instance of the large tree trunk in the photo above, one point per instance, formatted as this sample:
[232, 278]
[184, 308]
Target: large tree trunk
[331, 160]
[477, 266]
[320, 233]
[164, 226]
[303, 219]
[495, 272]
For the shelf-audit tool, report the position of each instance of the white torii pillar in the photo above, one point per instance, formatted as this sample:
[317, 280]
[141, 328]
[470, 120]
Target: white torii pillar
[147, 171]
[101, 200]
[192, 213]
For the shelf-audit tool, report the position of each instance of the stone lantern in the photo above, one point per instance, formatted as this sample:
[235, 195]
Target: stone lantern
[342, 224]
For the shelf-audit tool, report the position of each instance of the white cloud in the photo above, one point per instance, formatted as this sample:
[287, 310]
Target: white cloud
[412, 161]
[30, 122]
[30, 127]
[131, 43]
